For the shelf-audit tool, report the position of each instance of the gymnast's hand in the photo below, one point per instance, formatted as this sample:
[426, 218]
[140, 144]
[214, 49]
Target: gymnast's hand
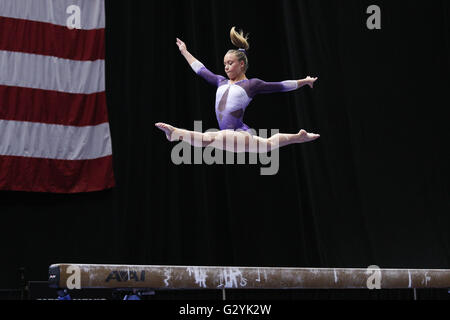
[181, 45]
[307, 81]
[310, 81]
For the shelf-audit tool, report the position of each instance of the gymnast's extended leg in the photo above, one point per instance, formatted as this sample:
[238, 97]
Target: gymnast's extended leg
[235, 141]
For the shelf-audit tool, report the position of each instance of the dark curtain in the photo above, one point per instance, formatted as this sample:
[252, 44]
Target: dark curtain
[373, 190]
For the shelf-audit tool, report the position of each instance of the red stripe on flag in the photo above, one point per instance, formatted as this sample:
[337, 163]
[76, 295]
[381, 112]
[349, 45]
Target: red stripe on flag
[51, 40]
[52, 107]
[58, 176]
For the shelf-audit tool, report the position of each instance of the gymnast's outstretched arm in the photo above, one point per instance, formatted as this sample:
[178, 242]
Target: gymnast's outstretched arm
[198, 67]
[259, 86]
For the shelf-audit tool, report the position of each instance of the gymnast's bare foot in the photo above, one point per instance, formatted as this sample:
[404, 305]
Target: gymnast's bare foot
[168, 129]
[304, 136]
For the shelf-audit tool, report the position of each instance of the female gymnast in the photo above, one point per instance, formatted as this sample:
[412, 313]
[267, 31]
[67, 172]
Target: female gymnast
[232, 98]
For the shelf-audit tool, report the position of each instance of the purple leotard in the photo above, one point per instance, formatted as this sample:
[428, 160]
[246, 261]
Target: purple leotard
[233, 99]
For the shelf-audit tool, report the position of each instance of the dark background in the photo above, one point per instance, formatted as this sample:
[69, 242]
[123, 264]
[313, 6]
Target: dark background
[373, 190]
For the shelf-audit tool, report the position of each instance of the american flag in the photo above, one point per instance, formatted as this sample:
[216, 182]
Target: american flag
[54, 129]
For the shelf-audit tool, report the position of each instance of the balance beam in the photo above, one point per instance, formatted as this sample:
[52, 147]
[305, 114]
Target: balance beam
[88, 276]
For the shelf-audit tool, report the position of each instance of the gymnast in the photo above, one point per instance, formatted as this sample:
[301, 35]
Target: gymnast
[232, 98]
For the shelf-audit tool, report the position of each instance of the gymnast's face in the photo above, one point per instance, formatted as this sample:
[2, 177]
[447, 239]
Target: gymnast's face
[233, 67]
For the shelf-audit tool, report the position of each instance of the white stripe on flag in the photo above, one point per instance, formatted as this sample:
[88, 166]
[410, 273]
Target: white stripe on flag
[51, 141]
[92, 13]
[51, 73]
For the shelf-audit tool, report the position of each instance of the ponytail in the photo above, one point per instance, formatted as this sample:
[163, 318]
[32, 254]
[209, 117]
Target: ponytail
[240, 41]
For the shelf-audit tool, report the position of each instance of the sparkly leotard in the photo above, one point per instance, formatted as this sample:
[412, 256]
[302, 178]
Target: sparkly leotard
[233, 99]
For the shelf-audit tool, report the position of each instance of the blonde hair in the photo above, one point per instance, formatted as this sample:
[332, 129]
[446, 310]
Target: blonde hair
[241, 41]
[238, 39]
